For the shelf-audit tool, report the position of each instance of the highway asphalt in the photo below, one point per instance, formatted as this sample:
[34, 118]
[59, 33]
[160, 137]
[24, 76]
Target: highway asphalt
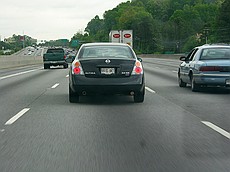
[174, 130]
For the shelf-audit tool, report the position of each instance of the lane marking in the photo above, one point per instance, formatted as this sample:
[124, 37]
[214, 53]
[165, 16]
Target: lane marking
[174, 71]
[55, 85]
[216, 128]
[20, 73]
[17, 116]
[150, 90]
[67, 76]
[2, 130]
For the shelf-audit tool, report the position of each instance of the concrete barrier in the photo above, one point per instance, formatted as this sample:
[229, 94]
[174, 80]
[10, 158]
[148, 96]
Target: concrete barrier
[17, 61]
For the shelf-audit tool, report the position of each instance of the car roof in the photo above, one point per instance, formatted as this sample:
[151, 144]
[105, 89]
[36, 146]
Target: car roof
[105, 44]
[214, 46]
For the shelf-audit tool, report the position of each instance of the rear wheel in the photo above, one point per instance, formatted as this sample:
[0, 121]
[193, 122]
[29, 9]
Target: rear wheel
[73, 97]
[65, 66]
[46, 66]
[194, 86]
[139, 96]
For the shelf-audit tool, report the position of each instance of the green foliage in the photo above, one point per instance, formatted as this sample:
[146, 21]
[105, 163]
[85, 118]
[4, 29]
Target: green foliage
[164, 25]
[223, 24]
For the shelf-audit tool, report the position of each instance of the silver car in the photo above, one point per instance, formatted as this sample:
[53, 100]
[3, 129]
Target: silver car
[207, 65]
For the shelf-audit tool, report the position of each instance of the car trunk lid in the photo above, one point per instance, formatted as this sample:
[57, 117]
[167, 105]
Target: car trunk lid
[217, 65]
[102, 68]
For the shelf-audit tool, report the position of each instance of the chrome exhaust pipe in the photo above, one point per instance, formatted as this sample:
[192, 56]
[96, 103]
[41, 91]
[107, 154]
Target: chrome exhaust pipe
[132, 93]
[84, 93]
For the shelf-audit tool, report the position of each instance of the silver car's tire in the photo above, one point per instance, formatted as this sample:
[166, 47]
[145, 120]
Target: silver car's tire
[194, 86]
[180, 82]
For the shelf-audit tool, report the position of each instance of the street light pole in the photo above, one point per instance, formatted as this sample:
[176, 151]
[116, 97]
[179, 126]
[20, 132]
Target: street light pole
[206, 34]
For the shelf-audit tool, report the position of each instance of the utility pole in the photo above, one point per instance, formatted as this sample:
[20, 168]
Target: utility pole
[206, 30]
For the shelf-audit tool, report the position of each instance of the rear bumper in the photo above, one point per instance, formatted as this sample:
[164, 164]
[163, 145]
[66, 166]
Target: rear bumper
[213, 79]
[55, 62]
[91, 86]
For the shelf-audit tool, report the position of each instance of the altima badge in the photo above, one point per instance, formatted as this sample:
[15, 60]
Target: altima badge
[107, 61]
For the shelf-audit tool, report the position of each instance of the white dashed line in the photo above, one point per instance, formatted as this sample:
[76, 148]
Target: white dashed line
[55, 86]
[16, 74]
[150, 90]
[216, 128]
[2, 130]
[174, 71]
[67, 76]
[17, 116]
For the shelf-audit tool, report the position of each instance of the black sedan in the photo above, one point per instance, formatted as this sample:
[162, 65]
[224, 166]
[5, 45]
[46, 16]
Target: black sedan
[106, 68]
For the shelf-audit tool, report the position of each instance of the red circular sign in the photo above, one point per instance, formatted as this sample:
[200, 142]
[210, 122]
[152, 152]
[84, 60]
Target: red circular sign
[127, 35]
[116, 35]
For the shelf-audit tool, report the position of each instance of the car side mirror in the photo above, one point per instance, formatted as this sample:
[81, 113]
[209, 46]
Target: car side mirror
[139, 59]
[183, 58]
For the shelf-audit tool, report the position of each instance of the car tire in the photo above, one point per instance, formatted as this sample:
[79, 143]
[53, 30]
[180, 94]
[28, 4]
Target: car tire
[181, 83]
[139, 97]
[65, 66]
[73, 97]
[46, 66]
[194, 86]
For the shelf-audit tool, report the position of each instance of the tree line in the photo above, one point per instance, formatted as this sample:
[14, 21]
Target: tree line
[164, 26]
[16, 43]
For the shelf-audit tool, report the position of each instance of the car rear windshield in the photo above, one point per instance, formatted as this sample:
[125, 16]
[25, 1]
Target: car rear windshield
[215, 54]
[106, 51]
[57, 50]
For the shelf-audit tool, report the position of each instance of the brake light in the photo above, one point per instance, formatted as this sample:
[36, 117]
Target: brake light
[64, 56]
[138, 69]
[77, 69]
[209, 68]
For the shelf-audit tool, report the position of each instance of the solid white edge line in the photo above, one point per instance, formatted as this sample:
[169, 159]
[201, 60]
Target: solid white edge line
[55, 85]
[17, 116]
[216, 128]
[150, 90]
[16, 74]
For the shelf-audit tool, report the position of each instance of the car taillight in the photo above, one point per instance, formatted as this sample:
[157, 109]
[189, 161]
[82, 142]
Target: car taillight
[76, 68]
[64, 56]
[138, 69]
[209, 68]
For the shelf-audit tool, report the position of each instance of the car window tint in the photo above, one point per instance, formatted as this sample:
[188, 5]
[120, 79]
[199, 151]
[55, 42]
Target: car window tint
[215, 53]
[55, 51]
[106, 51]
[191, 55]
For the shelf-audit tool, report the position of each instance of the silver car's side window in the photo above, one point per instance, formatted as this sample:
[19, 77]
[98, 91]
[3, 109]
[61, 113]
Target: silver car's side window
[191, 55]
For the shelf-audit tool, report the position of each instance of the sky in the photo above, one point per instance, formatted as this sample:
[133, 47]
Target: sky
[50, 19]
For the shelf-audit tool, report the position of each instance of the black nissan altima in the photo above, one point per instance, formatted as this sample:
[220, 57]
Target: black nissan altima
[106, 68]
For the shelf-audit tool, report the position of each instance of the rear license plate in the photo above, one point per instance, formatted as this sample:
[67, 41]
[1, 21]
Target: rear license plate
[107, 71]
[228, 82]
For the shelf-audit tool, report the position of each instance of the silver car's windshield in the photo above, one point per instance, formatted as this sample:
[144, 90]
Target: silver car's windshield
[106, 51]
[215, 54]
